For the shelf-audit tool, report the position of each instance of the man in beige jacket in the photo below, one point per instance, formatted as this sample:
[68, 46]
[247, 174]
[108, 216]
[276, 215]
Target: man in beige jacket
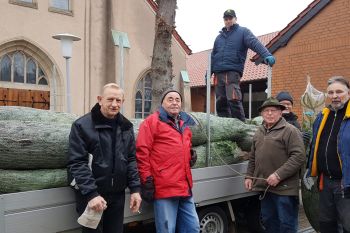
[276, 157]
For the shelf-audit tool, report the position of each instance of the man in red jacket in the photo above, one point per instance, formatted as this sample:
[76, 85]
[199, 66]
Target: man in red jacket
[164, 159]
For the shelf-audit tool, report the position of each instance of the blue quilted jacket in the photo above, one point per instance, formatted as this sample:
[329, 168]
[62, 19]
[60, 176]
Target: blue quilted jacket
[343, 144]
[230, 49]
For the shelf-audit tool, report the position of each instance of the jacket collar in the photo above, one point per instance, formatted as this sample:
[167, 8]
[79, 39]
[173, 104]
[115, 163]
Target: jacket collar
[278, 125]
[290, 116]
[100, 121]
[164, 116]
[232, 28]
[327, 110]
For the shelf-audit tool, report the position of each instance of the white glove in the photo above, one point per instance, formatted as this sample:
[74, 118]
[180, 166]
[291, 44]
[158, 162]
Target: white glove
[308, 181]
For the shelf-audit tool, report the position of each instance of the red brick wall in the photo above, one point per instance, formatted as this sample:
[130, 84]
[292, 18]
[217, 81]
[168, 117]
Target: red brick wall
[320, 49]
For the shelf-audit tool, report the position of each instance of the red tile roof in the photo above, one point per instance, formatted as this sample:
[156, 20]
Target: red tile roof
[175, 33]
[197, 64]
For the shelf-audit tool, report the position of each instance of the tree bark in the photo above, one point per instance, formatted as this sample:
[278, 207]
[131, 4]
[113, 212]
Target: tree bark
[162, 65]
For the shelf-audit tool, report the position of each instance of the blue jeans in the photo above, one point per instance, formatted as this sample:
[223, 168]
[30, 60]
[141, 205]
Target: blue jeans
[176, 213]
[280, 213]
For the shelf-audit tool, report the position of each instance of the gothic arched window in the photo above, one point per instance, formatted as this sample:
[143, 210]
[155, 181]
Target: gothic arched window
[18, 67]
[143, 97]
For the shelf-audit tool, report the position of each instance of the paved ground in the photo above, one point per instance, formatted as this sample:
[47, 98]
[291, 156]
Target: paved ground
[304, 226]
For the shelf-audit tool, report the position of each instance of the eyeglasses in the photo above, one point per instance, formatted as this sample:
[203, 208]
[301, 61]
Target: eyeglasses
[273, 111]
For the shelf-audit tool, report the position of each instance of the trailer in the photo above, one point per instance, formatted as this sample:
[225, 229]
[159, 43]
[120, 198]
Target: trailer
[219, 195]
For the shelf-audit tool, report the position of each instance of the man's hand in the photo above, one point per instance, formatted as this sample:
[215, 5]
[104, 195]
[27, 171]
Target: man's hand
[193, 157]
[147, 189]
[273, 179]
[135, 202]
[270, 60]
[248, 183]
[98, 204]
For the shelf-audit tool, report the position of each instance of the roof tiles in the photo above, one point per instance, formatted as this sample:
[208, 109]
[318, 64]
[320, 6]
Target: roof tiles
[197, 64]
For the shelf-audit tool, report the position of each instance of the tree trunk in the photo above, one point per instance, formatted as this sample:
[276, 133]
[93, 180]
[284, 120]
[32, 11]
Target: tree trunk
[162, 65]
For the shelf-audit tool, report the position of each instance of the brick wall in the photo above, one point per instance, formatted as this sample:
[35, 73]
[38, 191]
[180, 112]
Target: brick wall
[320, 49]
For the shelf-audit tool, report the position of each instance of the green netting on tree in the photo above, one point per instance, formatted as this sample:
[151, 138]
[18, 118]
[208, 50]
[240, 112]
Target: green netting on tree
[19, 181]
[222, 129]
[33, 145]
[224, 152]
[38, 115]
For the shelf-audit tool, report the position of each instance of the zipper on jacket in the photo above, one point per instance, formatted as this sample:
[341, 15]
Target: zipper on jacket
[329, 136]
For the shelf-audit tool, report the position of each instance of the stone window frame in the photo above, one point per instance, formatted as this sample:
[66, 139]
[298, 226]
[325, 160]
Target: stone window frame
[24, 85]
[32, 4]
[68, 12]
[142, 91]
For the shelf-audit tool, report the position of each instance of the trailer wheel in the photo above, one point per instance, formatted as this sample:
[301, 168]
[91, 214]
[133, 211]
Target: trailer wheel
[213, 220]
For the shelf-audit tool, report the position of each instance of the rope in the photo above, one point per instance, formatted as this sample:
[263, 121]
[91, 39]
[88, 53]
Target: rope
[262, 196]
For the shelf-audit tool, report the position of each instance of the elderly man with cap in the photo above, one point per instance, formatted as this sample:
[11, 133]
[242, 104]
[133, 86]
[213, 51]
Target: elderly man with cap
[275, 159]
[227, 63]
[164, 157]
[287, 100]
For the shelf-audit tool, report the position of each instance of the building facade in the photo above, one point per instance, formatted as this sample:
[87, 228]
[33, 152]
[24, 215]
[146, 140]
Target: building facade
[316, 44]
[33, 71]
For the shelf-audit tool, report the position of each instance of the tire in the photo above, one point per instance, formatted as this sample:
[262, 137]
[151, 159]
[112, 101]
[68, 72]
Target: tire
[213, 219]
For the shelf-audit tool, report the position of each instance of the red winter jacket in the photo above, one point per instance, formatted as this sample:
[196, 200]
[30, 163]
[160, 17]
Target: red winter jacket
[163, 152]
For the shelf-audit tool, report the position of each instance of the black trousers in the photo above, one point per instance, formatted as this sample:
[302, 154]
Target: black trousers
[229, 95]
[113, 216]
[334, 208]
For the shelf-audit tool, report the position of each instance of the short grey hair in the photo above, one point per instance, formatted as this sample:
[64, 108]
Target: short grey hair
[339, 79]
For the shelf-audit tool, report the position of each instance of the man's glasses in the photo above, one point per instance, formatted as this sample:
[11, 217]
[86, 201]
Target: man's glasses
[273, 111]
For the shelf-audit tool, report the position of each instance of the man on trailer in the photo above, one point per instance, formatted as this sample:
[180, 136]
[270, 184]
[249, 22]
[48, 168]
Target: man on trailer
[275, 159]
[102, 162]
[227, 63]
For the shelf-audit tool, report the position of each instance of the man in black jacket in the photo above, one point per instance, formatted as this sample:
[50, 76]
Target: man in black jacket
[102, 163]
[287, 100]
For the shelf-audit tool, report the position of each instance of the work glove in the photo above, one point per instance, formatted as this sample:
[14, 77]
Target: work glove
[193, 157]
[147, 190]
[270, 60]
[347, 192]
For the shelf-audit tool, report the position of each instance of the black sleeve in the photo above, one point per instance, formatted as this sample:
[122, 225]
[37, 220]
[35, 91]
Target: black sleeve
[78, 159]
[133, 174]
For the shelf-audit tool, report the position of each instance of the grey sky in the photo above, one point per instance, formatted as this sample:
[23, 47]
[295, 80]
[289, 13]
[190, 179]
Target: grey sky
[199, 21]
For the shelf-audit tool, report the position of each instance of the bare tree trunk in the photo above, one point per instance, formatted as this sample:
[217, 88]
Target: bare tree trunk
[162, 65]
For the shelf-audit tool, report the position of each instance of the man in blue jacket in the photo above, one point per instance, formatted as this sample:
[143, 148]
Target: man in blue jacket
[227, 63]
[330, 157]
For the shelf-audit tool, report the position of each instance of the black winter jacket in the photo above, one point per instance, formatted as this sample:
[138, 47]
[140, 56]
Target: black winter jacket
[111, 170]
[292, 119]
